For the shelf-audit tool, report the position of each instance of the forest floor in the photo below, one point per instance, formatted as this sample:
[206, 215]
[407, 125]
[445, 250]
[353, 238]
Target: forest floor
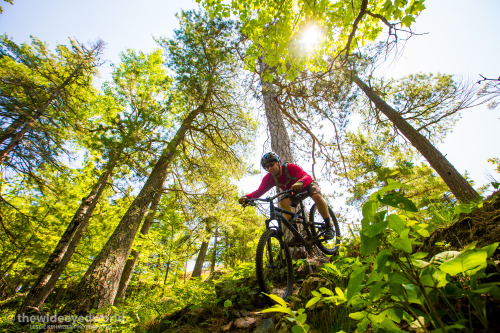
[482, 225]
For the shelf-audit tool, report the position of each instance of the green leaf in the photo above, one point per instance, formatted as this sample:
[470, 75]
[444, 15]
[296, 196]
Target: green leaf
[490, 249]
[228, 303]
[397, 279]
[326, 291]
[423, 232]
[369, 244]
[380, 216]
[278, 308]
[373, 230]
[298, 329]
[301, 318]
[392, 185]
[413, 293]
[369, 209]
[313, 301]
[464, 262]
[399, 201]
[396, 223]
[419, 255]
[485, 288]
[355, 282]
[340, 293]
[407, 20]
[277, 299]
[383, 261]
[376, 290]
[403, 244]
[357, 315]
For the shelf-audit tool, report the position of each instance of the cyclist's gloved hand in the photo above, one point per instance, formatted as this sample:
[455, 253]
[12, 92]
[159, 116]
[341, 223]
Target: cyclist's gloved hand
[242, 200]
[297, 186]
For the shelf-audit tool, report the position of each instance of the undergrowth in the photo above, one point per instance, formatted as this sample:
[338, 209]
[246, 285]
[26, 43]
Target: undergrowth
[388, 287]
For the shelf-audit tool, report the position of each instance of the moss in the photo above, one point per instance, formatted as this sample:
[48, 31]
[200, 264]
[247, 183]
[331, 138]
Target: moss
[482, 225]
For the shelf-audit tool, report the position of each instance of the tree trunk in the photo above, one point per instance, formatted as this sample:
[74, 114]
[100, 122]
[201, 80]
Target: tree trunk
[200, 260]
[13, 127]
[185, 270]
[462, 190]
[214, 249]
[130, 264]
[99, 285]
[280, 142]
[198, 267]
[67, 244]
[166, 273]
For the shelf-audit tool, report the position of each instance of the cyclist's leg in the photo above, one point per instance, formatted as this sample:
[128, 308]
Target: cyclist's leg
[286, 204]
[321, 204]
[315, 192]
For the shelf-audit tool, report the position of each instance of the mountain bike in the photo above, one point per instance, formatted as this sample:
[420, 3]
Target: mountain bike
[273, 263]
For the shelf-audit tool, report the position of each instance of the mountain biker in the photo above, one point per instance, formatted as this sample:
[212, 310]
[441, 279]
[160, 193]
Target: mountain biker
[290, 176]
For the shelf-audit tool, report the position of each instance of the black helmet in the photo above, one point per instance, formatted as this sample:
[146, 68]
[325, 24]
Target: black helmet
[268, 157]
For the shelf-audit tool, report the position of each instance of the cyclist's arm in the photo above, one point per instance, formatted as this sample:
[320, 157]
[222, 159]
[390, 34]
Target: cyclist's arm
[266, 184]
[296, 171]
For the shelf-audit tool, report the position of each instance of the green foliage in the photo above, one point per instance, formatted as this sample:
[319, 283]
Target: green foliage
[297, 318]
[34, 215]
[43, 98]
[375, 161]
[276, 28]
[495, 161]
[390, 287]
[8, 1]
[152, 300]
[242, 270]
[402, 286]
[430, 103]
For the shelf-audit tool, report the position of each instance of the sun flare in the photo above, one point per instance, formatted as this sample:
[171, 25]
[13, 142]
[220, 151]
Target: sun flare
[310, 37]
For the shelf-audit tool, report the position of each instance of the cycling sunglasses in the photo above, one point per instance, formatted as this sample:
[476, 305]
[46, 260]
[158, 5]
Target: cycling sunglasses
[269, 165]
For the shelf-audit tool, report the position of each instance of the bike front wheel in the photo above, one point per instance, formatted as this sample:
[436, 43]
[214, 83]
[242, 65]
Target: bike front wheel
[317, 226]
[274, 265]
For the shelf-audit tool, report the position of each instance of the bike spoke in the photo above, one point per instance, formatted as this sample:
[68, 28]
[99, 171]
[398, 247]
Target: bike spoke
[274, 270]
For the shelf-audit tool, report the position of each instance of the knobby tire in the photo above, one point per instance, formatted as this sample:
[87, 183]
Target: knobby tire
[274, 268]
[317, 226]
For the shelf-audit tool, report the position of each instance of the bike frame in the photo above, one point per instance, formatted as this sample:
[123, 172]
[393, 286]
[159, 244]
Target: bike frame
[277, 213]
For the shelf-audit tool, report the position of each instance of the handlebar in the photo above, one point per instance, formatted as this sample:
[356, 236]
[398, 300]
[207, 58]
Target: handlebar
[286, 193]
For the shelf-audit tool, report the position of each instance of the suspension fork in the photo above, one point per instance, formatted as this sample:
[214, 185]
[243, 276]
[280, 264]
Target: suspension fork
[279, 230]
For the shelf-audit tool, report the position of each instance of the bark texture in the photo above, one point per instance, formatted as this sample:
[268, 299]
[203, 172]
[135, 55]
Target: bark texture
[130, 264]
[200, 260]
[99, 285]
[280, 141]
[458, 185]
[198, 266]
[61, 255]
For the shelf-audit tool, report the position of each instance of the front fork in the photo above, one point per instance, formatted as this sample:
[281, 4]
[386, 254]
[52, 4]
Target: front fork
[281, 255]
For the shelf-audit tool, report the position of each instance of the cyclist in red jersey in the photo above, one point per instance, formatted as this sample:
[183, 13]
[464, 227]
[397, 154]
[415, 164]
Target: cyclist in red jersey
[290, 176]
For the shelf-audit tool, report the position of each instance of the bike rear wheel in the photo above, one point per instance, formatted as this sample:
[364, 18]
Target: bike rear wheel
[274, 265]
[317, 226]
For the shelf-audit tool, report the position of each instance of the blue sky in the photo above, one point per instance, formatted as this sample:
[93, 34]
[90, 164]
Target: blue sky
[462, 39]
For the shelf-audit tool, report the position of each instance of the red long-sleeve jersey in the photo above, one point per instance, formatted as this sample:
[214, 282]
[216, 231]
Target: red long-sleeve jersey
[268, 181]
